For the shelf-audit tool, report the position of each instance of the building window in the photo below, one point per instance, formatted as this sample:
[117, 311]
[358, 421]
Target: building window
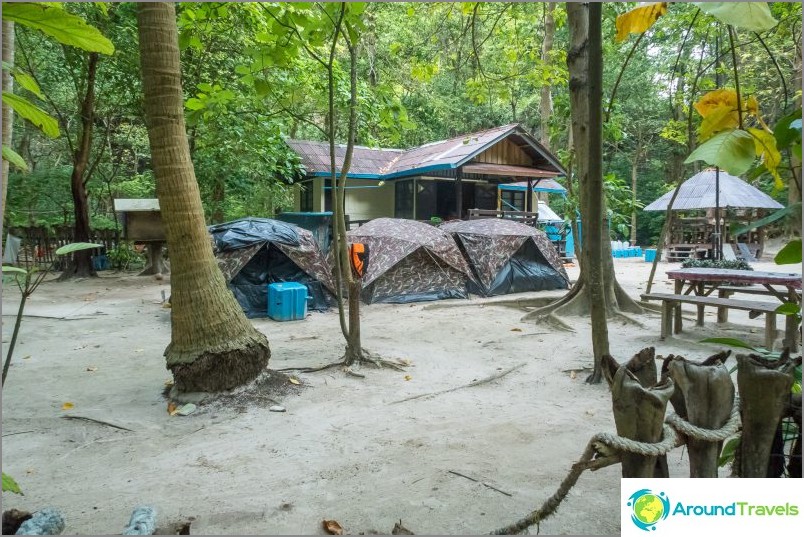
[306, 196]
[403, 199]
[512, 200]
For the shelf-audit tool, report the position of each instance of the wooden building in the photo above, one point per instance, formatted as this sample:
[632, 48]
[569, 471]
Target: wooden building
[443, 179]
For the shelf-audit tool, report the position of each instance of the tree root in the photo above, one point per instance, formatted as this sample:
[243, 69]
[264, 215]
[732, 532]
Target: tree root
[628, 319]
[366, 357]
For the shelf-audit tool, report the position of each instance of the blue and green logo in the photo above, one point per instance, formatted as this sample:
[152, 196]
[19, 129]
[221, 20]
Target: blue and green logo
[648, 508]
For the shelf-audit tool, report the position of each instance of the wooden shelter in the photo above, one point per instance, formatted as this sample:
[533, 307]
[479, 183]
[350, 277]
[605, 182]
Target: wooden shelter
[142, 222]
[442, 179]
[698, 206]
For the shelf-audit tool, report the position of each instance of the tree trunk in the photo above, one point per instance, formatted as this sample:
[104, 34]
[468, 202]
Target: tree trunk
[213, 346]
[634, 170]
[597, 292]
[81, 263]
[586, 77]
[546, 100]
[8, 114]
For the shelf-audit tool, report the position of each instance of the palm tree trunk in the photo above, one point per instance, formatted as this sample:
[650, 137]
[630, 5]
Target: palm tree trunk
[213, 347]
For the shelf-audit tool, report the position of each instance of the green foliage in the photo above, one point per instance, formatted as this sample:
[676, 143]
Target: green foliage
[790, 254]
[14, 158]
[754, 16]
[9, 484]
[32, 113]
[732, 150]
[737, 264]
[65, 27]
[124, 256]
[76, 247]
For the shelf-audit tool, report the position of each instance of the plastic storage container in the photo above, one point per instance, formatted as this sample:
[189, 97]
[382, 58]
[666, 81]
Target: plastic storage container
[650, 255]
[287, 301]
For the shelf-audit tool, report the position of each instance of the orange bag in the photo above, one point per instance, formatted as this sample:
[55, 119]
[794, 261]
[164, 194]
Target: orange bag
[358, 255]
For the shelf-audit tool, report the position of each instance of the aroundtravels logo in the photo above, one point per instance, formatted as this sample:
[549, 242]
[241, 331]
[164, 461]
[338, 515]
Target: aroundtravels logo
[648, 508]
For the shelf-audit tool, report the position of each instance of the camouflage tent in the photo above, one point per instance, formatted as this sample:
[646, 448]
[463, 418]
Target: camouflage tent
[410, 261]
[254, 252]
[507, 256]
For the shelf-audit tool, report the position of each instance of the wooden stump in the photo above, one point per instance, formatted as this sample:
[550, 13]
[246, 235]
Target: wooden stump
[764, 387]
[639, 404]
[704, 396]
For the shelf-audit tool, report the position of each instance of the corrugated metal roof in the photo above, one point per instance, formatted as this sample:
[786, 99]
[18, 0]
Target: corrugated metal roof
[698, 192]
[365, 160]
[444, 154]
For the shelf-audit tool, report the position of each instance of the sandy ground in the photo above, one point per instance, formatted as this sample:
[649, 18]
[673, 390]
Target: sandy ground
[343, 450]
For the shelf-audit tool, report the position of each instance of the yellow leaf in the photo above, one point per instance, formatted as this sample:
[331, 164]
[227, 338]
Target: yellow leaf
[516, 330]
[765, 146]
[752, 106]
[171, 408]
[294, 381]
[719, 118]
[715, 100]
[67, 406]
[408, 377]
[639, 19]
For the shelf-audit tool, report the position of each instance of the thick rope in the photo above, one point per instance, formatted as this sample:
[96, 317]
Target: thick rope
[609, 445]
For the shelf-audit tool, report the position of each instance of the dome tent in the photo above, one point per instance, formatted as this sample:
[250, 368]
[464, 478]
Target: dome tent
[410, 261]
[255, 252]
[507, 256]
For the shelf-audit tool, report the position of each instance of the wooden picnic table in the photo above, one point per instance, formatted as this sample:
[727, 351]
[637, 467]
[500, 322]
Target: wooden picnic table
[785, 286]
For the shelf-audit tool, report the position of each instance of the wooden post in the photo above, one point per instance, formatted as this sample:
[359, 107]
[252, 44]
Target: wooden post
[704, 396]
[459, 193]
[639, 405]
[764, 387]
[529, 197]
[156, 263]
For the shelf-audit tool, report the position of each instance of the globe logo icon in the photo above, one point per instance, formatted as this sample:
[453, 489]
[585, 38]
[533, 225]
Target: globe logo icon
[648, 508]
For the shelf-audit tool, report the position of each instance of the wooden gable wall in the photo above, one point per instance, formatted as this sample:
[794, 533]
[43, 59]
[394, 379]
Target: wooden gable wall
[504, 152]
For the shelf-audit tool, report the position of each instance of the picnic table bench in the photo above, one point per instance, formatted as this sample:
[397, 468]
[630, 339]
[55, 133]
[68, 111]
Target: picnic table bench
[671, 310]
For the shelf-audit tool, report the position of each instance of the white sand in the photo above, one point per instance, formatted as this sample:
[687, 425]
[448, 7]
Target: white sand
[342, 450]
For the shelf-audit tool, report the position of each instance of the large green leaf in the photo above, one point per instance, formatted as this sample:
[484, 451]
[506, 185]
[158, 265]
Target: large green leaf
[32, 113]
[790, 254]
[754, 16]
[781, 213]
[784, 131]
[76, 246]
[64, 27]
[729, 341]
[789, 308]
[24, 79]
[731, 150]
[8, 482]
[15, 270]
[14, 158]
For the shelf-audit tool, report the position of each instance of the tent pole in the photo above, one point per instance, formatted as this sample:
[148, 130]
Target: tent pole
[529, 197]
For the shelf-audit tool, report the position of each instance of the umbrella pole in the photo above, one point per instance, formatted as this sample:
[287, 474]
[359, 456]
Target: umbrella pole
[717, 247]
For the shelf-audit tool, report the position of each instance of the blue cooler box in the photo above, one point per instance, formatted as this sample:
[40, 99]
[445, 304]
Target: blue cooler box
[287, 301]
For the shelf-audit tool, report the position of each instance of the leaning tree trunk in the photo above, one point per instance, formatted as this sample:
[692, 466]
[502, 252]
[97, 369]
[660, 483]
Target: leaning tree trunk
[213, 347]
[80, 265]
[8, 114]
